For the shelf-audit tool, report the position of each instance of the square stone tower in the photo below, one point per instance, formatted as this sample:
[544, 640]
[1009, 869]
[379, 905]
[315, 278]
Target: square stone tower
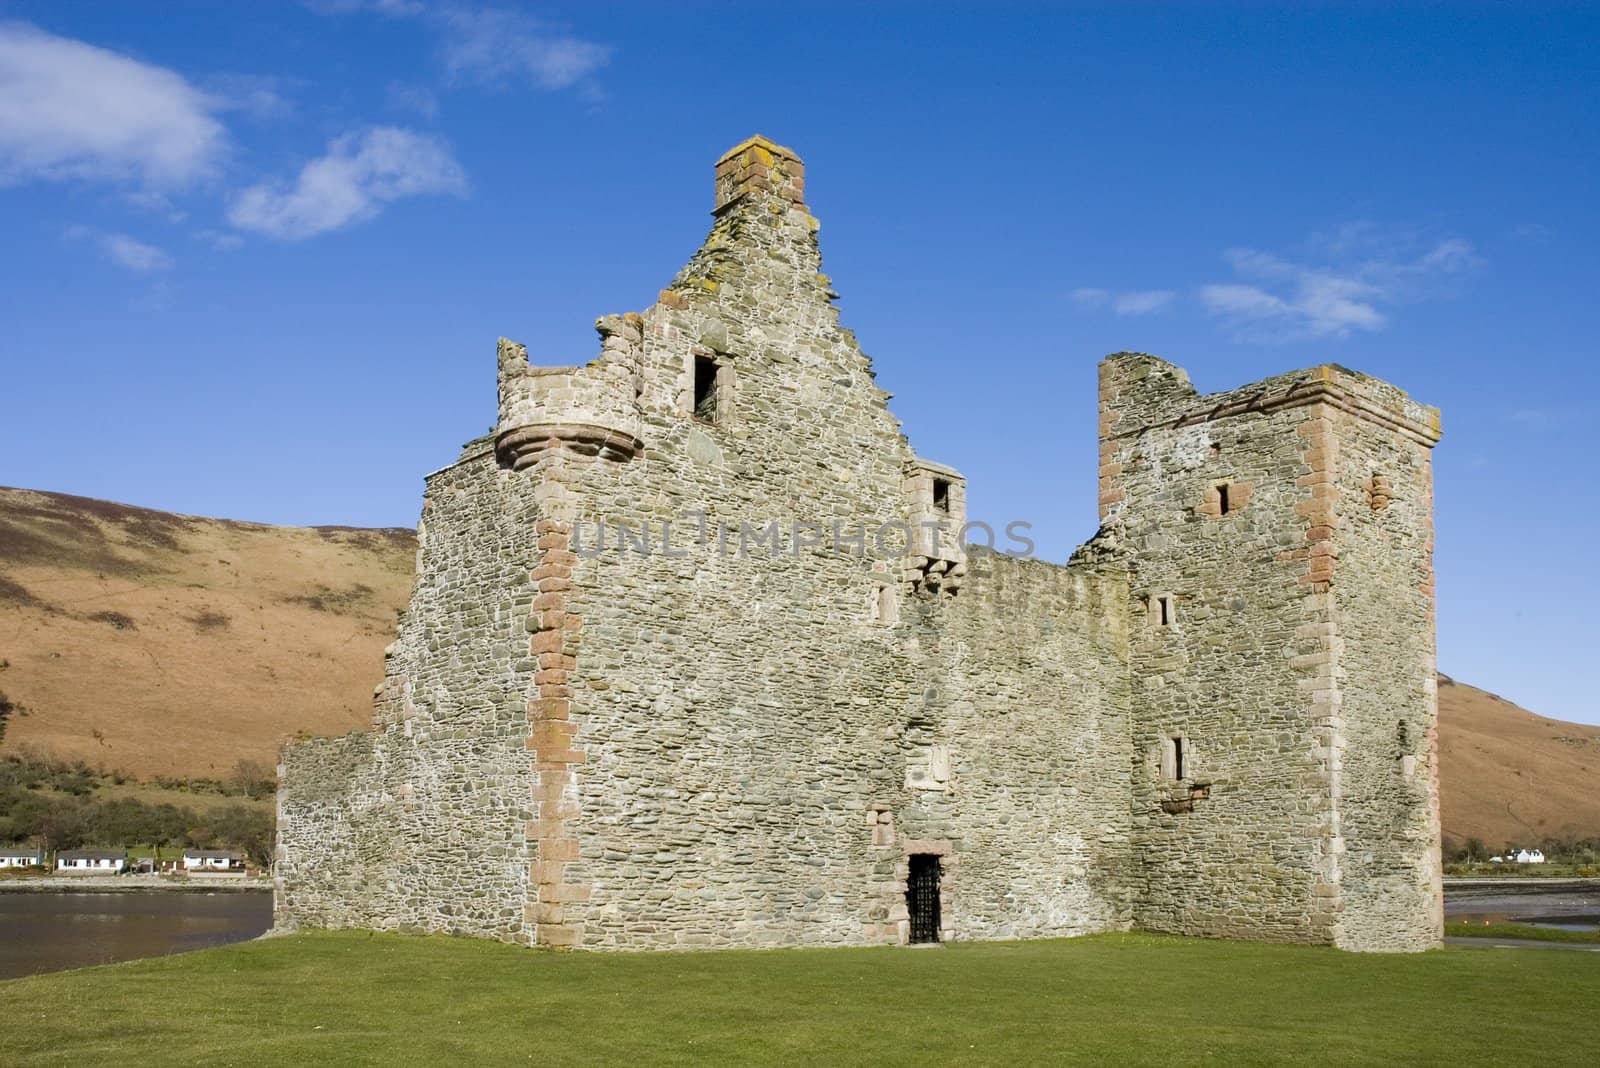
[1279, 539]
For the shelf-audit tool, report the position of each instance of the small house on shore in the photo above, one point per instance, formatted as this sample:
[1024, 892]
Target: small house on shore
[91, 861]
[18, 857]
[212, 860]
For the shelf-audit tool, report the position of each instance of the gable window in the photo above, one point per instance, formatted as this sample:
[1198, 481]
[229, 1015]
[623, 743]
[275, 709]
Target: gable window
[706, 392]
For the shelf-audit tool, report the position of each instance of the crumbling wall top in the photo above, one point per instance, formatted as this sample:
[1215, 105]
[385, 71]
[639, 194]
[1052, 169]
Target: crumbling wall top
[1139, 391]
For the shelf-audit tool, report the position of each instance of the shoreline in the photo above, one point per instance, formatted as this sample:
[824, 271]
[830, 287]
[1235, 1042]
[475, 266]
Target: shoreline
[1474, 885]
[120, 884]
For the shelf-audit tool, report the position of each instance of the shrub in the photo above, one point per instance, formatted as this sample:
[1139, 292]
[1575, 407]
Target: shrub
[209, 619]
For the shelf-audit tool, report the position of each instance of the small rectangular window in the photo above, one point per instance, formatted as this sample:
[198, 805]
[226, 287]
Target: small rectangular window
[885, 608]
[941, 495]
[705, 389]
[1163, 610]
[1177, 759]
[1222, 499]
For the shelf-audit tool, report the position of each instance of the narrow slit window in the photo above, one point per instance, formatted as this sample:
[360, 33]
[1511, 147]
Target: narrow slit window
[885, 609]
[705, 389]
[1163, 612]
[1223, 507]
[941, 495]
[1177, 759]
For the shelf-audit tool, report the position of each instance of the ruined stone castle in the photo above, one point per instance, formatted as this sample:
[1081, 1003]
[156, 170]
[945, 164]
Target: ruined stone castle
[697, 657]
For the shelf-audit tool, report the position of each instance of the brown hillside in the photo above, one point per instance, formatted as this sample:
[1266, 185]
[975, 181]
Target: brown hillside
[1510, 777]
[163, 644]
[166, 644]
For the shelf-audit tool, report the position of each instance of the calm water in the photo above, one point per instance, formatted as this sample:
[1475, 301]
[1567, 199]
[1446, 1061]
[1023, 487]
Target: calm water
[1573, 907]
[46, 932]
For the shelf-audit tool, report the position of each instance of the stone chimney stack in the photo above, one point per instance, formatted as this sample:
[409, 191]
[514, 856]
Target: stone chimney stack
[758, 166]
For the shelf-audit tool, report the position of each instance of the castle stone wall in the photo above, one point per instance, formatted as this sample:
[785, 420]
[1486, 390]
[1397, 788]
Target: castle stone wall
[696, 657]
[420, 825]
[1388, 804]
[1278, 638]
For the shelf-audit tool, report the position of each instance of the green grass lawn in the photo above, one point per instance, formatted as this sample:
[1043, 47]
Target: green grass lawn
[357, 998]
[1463, 929]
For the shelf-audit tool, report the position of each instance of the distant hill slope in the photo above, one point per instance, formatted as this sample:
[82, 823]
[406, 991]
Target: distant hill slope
[1510, 777]
[161, 644]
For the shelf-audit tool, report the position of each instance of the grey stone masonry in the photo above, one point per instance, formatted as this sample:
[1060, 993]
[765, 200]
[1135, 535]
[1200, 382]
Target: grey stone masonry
[697, 657]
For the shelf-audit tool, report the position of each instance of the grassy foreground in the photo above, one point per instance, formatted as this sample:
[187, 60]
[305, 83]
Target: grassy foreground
[1525, 931]
[357, 998]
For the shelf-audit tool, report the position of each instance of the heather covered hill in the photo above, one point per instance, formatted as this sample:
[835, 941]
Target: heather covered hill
[1511, 777]
[168, 645]
[161, 644]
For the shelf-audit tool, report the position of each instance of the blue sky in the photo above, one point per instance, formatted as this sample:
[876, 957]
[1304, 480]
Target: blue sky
[256, 257]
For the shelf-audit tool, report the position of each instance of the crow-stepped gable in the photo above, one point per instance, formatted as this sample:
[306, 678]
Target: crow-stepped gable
[696, 657]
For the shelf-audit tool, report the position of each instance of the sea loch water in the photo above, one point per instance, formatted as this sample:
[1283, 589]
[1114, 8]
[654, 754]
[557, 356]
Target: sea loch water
[47, 932]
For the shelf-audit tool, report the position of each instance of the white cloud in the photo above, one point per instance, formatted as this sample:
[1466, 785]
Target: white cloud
[381, 7]
[1142, 302]
[1132, 302]
[219, 240]
[1535, 420]
[72, 110]
[1366, 271]
[357, 177]
[124, 251]
[492, 46]
[417, 98]
[258, 96]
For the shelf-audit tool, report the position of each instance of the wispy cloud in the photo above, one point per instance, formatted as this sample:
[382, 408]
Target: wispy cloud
[1535, 420]
[358, 176]
[492, 46]
[255, 95]
[1533, 233]
[124, 251]
[1130, 302]
[381, 7]
[415, 98]
[73, 110]
[220, 240]
[1350, 280]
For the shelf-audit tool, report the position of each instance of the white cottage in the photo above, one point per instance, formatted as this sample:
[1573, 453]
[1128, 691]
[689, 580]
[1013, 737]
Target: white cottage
[212, 860]
[91, 861]
[16, 857]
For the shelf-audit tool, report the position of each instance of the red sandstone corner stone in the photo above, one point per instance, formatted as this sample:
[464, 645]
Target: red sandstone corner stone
[550, 934]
